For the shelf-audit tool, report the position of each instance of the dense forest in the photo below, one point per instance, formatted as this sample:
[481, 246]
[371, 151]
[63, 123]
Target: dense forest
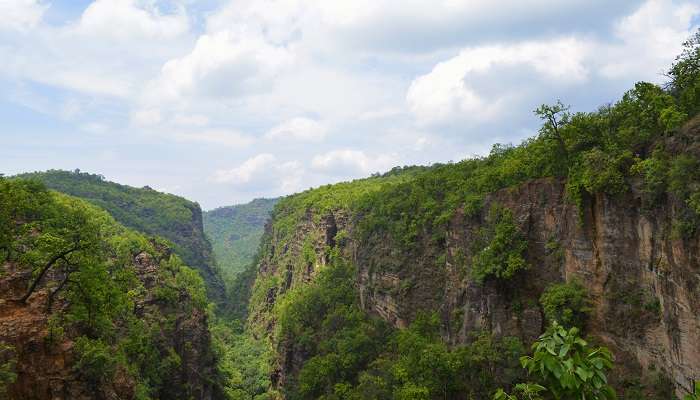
[148, 211]
[565, 267]
[235, 233]
[79, 280]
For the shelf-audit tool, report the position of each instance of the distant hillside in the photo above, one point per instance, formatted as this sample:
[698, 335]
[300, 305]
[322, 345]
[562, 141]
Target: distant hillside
[235, 232]
[145, 210]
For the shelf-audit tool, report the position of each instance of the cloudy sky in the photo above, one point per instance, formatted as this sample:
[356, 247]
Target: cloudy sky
[224, 101]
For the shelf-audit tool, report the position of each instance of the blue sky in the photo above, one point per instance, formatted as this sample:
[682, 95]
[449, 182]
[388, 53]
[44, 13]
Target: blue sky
[225, 101]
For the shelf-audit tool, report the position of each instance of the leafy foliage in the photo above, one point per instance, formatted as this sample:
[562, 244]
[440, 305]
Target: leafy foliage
[244, 362]
[566, 304]
[354, 356]
[235, 233]
[568, 367]
[147, 211]
[501, 248]
[92, 256]
[524, 391]
[685, 76]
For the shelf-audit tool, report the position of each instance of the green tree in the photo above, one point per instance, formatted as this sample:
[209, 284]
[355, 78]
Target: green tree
[521, 391]
[685, 76]
[555, 117]
[501, 249]
[568, 367]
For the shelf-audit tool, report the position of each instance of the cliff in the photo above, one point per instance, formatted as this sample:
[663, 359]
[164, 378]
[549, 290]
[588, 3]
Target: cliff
[92, 310]
[635, 251]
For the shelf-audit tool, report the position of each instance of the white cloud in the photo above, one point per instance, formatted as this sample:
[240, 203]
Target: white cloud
[226, 138]
[130, 19]
[111, 50]
[419, 83]
[347, 162]
[20, 15]
[263, 173]
[193, 120]
[245, 172]
[146, 117]
[303, 129]
[447, 91]
[224, 64]
[649, 39]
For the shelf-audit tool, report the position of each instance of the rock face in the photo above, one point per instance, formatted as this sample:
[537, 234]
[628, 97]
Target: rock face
[643, 281]
[45, 362]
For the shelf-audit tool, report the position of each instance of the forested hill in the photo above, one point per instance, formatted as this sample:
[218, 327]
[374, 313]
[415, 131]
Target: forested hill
[433, 283]
[148, 211]
[235, 233]
[90, 309]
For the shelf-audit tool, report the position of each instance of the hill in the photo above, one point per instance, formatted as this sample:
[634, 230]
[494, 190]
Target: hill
[91, 309]
[433, 284]
[235, 233]
[148, 211]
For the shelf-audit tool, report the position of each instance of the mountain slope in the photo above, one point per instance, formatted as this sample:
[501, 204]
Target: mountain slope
[148, 211]
[235, 233]
[90, 309]
[594, 223]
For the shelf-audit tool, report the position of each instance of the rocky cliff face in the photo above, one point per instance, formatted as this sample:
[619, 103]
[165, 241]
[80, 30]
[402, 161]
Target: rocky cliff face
[46, 359]
[642, 280]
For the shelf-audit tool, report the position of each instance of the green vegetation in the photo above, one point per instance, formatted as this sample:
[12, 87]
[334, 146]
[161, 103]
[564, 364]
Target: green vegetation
[567, 367]
[696, 392]
[147, 211]
[685, 76]
[596, 152]
[355, 356]
[640, 142]
[566, 304]
[500, 248]
[235, 234]
[7, 367]
[244, 362]
[48, 233]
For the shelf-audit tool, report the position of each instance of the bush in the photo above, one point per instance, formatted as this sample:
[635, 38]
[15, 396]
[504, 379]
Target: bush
[501, 248]
[566, 304]
[95, 360]
[654, 174]
[569, 367]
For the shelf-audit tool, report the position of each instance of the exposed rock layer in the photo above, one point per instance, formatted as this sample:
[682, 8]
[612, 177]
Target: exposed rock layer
[45, 366]
[643, 281]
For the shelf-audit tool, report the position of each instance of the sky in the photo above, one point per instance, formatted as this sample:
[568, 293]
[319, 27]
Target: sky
[225, 101]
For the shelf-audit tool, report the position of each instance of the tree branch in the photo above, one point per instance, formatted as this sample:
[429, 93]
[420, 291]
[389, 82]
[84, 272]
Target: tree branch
[60, 256]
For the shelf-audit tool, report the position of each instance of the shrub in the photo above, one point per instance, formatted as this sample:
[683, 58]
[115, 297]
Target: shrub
[95, 359]
[565, 303]
[501, 250]
[569, 368]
